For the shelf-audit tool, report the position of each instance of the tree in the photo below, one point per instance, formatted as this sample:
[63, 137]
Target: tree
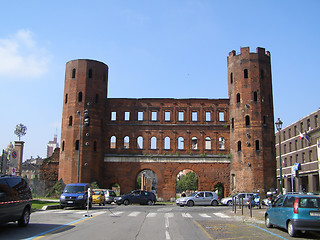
[20, 130]
[188, 182]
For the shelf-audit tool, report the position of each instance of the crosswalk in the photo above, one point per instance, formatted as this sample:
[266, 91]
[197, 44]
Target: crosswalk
[148, 215]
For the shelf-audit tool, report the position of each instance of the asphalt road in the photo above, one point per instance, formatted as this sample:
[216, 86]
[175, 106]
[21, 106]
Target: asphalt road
[167, 222]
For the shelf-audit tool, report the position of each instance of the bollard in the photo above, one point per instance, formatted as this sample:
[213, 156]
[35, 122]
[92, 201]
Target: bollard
[250, 209]
[241, 206]
[235, 205]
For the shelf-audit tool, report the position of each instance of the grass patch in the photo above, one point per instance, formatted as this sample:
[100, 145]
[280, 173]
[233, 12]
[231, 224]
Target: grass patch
[38, 204]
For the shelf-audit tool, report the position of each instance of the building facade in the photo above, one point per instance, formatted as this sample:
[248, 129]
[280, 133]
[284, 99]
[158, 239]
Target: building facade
[227, 142]
[300, 147]
[52, 145]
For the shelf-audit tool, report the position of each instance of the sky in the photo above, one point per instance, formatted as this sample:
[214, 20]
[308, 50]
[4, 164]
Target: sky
[154, 49]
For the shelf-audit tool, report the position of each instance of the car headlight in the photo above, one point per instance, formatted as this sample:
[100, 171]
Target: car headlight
[62, 197]
[80, 197]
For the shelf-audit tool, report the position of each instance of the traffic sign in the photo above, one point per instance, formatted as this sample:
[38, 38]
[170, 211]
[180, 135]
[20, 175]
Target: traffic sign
[14, 154]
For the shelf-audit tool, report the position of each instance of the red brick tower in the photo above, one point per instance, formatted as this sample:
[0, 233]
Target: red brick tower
[83, 120]
[251, 121]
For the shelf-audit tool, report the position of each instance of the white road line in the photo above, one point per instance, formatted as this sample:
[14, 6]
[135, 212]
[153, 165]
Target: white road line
[169, 215]
[167, 226]
[204, 215]
[115, 213]
[222, 215]
[134, 214]
[186, 215]
[152, 214]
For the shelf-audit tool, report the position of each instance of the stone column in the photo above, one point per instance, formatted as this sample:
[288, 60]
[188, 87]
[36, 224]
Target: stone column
[18, 145]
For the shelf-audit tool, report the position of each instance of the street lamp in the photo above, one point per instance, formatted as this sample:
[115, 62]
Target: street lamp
[86, 123]
[279, 127]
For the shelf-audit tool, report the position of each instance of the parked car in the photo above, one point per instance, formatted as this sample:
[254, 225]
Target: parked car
[76, 195]
[199, 198]
[109, 195]
[254, 201]
[294, 212]
[15, 200]
[98, 197]
[238, 197]
[136, 196]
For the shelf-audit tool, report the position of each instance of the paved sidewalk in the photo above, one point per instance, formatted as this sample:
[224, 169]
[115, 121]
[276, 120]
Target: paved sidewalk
[245, 216]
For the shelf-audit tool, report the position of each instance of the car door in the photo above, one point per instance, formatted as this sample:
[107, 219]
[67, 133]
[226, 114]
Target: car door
[208, 196]
[276, 211]
[4, 199]
[135, 196]
[199, 199]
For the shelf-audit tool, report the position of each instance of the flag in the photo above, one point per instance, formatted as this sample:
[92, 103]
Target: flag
[306, 136]
[301, 135]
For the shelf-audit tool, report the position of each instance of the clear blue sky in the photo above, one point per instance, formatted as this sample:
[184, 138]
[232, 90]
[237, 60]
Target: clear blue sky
[158, 49]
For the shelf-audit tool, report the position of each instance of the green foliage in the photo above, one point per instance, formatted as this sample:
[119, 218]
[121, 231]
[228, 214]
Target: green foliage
[56, 190]
[95, 185]
[139, 182]
[188, 182]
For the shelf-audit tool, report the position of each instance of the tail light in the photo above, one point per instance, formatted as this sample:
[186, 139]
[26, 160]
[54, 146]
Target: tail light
[296, 206]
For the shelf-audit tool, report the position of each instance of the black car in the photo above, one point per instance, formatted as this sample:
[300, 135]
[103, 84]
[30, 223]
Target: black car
[15, 200]
[136, 196]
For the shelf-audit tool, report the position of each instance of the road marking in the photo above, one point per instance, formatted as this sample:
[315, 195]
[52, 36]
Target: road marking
[186, 215]
[152, 214]
[222, 215]
[167, 226]
[169, 215]
[115, 213]
[266, 231]
[134, 214]
[205, 232]
[204, 215]
[49, 232]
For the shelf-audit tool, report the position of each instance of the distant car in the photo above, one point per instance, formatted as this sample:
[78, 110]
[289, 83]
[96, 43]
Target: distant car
[109, 195]
[294, 212]
[75, 195]
[199, 198]
[238, 197]
[254, 201]
[98, 197]
[136, 196]
[15, 200]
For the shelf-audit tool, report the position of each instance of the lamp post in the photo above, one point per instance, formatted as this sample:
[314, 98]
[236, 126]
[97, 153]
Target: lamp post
[279, 127]
[85, 116]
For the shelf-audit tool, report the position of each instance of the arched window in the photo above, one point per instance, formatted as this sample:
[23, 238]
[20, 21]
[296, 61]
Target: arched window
[95, 146]
[257, 145]
[70, 121]
[208, 143]
[166, 143]
[76, 147]
[66, 98]
[238, 97]
[221, 143]
[247, 120]
[126, 142]
[113, 142]
[90, 73]
[255, 96]
[140, 142]
[80, 97]
[239, 146]
[180, 143]
[73, 73]
[245, 73]
[62, 147]
[231, 78]
[153, 143]
[194, 143]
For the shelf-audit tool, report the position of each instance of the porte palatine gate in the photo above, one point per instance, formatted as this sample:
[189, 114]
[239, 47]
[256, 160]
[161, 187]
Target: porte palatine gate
[224, 141]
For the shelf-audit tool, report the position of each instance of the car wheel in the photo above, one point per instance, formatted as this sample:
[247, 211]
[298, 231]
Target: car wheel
[229, 203]
[61, 207]
[190, 203]
[214, 203]
[267, 222]
[181, 205]
[100, 204]
[126, 202]
[150, 202]
[24, 220]
[291, 231]
[104, 203]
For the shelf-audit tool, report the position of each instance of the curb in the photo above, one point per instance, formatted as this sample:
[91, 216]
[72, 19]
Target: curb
[50, 207]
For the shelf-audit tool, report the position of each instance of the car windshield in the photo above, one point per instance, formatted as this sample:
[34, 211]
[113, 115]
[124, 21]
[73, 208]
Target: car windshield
[74, 189]
[96, 193]
[193, 194]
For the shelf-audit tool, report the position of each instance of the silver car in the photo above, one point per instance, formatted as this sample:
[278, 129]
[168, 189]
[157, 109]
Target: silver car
[109, 196]
[238, 197]
[199, 198]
